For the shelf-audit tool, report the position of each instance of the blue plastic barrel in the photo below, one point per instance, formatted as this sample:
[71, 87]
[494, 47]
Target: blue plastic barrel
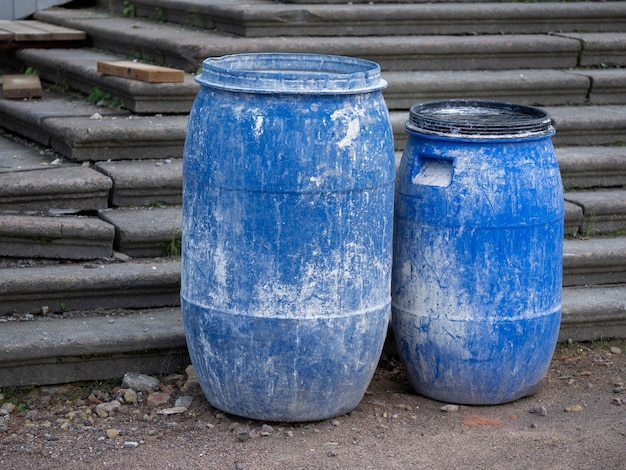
[287, 233]
[478, 246]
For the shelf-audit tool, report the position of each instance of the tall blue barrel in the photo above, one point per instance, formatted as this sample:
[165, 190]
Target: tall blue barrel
[287, 233]
[478, 246]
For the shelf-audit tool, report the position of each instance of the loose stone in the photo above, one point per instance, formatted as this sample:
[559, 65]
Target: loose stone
[157, 399]
[573, 408]
[449, 408]
[104, 409]
[540, 410]
[112, 433]
[173, 411]
[130, 396]
[184, 401]
[140, 382]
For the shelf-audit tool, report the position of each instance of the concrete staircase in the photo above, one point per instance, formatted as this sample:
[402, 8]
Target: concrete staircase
[91, 175]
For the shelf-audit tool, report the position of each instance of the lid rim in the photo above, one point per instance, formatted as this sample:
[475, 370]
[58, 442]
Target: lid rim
[471, 118]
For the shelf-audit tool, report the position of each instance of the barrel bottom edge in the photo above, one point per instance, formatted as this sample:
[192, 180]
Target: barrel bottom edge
[284, 370]
[475, 362]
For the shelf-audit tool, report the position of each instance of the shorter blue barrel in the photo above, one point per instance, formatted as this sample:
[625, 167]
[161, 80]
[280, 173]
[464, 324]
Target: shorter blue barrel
[478, 240]
[288, 188]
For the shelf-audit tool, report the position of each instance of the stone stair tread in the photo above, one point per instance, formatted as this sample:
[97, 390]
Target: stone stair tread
[146, 232]
[592, 167]
[28, 236]
[78, 68]
[539, 87]
[69, 125]
[92, 347]
[604, 211]
[594, 261]
[144, 182]
[55, 189]
[525, 86]
[135, 284]
[28, 118]
[600, 49]
[593, 312]
[170, 45]
[269, 18]
[116, 138]
[15, 156]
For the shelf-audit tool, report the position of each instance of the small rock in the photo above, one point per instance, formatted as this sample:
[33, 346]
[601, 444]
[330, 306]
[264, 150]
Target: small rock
[266, 430]
[157, 399]
[104, 409]
[112, 433]
[130, 396]
[244, 437]
[140, 382]
[573, 408]
[7, 408]
[619, 389]
[184, 401]
[615, 350]
[335, 422]
[173, 411]
[449, 408]
[95, 116]
[617, 401]
[131, 444]
[540, 410]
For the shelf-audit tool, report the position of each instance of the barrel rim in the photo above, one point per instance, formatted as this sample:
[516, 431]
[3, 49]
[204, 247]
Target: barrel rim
[291, 73]
[475, 119]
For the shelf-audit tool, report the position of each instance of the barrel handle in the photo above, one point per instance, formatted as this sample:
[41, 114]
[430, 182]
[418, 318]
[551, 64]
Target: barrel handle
[434, 171]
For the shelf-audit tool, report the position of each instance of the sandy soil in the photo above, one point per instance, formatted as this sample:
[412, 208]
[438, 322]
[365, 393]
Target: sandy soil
[576, 420]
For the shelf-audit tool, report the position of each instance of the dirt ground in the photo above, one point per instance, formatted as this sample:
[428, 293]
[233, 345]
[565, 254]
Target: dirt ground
[577, 420]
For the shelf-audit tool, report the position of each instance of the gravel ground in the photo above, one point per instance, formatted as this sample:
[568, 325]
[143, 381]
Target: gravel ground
[576, 420]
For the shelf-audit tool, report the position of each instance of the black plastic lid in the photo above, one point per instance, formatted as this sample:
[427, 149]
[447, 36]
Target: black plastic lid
[478, 119]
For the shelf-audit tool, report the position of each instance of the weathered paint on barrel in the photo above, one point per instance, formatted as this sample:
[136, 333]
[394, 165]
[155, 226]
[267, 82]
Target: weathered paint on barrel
[477, 251]
[287, 233]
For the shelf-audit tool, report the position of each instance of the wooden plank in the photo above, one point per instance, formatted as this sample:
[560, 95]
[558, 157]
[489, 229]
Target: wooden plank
[139, 71]
[22, 31]
[21, 86]
[58, 33]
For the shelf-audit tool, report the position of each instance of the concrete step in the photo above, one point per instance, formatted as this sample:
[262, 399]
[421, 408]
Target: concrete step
[107, 344]
[594, 261]
[539, 87]
[148, 283]
[603, 211]
[78, 69]
[61, 189]
[147, 232]
[68, 126]
[262, 18]
[592, 167]
[92, 347]
[185, 48]
[593, 312]
[68, 238]
[155, 231]
[83, 132]
[144, 182]
[136, 284]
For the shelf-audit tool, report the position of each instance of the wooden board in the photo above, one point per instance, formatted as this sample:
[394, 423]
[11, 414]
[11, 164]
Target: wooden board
[21, 86]
[31, 33]
[139, 71]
